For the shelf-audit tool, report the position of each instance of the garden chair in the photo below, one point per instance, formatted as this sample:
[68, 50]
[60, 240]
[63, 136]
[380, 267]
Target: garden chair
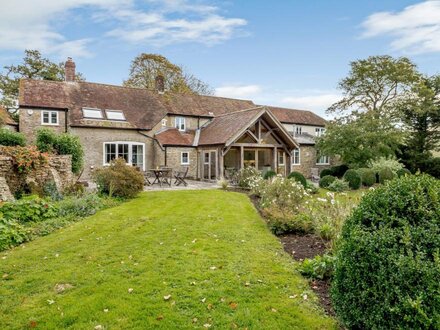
[147, 176]
[180, 177]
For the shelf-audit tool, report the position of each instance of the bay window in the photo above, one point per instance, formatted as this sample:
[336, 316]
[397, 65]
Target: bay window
[131, 152]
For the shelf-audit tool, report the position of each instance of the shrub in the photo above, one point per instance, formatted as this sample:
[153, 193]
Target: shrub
[280, 224]
[82, 206]
[28, 209]
[353, 178]
[247, 177]
[385, 162]
[269, 174]
[388, 268]
[326, 181]
[62, 144]
[368, 176]
[339, 185]
[339, 170]
[325, 172]
[403, 172]
[119, 180]
[50, 190]
[12, 233]
[431, 166]
[298, 177]
[284, 194]
[385, 174]
[223, 183]
[46, 140]
[320, 267]
[25, 159]
[11, 138]
[311, 188]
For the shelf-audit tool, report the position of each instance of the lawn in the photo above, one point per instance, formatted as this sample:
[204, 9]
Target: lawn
[187, 259]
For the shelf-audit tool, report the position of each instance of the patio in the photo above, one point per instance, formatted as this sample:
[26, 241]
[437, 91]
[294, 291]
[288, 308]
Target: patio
[192, 185]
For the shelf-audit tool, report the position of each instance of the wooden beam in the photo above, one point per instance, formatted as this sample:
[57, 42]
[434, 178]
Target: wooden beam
[241, 157]
[256, 145]
[252, 135]
[275, 160]
[256, 159]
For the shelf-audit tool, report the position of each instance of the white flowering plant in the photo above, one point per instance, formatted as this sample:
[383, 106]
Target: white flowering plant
[249, 178]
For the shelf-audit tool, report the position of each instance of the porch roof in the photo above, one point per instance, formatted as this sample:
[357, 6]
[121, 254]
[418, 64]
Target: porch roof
[173, 137]
[226, 129]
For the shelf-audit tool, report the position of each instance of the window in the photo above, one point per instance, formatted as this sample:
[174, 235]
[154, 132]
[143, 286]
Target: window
[114, 115]
[296, 157]
[132, 152]
[92, 113]
[319, 131]
[184, 158]
[49, 117]
[323, 160]
[280, 158]
[180, 123]
[164, 122]
[298, 130]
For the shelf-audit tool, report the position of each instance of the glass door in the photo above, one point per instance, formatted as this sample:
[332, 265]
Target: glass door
[209, 165]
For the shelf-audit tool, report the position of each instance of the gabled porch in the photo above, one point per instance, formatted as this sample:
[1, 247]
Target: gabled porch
[251, 138]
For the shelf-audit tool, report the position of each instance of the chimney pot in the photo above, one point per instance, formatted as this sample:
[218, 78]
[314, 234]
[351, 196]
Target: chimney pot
[160, 84]
[69, 70]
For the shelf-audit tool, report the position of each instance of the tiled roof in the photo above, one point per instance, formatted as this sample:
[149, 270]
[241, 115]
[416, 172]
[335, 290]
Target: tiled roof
[173, 137]
[305, 138]
[222, 128]
[142, 108]
[293, 116]
[6, 117]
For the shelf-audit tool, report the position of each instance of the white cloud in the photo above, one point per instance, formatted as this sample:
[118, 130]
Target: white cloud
[175, 21]
[315, 102]
[35, 24]
[415, 29]
[238, 91]
[28, 24]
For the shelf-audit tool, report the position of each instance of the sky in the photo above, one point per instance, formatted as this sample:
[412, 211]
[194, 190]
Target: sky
[289, 53]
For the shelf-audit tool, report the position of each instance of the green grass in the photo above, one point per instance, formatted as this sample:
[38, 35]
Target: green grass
[162, 243]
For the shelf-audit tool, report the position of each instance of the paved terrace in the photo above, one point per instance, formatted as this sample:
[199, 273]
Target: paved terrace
[192, 185]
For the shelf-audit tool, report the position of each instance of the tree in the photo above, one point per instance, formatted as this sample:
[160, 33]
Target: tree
[366, 124]
[33, 66]
[146, 67]
[421, 115]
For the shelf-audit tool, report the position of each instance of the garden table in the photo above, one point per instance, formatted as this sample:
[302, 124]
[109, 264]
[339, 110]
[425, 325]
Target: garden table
[162, 175]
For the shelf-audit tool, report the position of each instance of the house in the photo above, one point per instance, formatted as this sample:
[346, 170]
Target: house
[7, 121]
[212, 136]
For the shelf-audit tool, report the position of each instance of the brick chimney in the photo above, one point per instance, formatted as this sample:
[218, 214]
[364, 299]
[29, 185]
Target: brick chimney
[160, 84]
[69, 70]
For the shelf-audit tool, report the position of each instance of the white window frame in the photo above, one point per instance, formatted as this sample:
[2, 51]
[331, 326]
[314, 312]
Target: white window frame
[298, 130]
[321, 158]
[297, 150]
[130, 152]
[107, 111]
[164, 122]
[50, 113]
[91, 117]
[281, 156]
[319, 131]
[178, 121]
[181, 158]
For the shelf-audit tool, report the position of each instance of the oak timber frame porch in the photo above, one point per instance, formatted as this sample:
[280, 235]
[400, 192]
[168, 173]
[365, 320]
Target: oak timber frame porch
[264, 144]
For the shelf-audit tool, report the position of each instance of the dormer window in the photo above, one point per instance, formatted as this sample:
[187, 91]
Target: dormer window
[180, 123]
[115, 115]
[92, 113]
[164, 122]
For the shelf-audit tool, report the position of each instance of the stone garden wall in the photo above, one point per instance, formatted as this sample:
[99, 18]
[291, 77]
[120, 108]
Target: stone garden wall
[58, 170]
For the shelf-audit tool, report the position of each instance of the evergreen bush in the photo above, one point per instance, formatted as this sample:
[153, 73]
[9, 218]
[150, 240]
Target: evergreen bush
[326, 181]
[353, 178]
[298, 177]
[388, 261]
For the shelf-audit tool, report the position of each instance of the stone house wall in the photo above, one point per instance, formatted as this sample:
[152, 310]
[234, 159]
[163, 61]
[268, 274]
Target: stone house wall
[308, 161]
[93, 139]
[30, 122]
[173, 156]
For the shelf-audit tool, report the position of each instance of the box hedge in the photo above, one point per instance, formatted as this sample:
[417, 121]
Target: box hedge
[353, 178]
[388, 261]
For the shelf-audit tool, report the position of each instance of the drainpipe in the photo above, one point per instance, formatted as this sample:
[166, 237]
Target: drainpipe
[166, 148]
[65, 120]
